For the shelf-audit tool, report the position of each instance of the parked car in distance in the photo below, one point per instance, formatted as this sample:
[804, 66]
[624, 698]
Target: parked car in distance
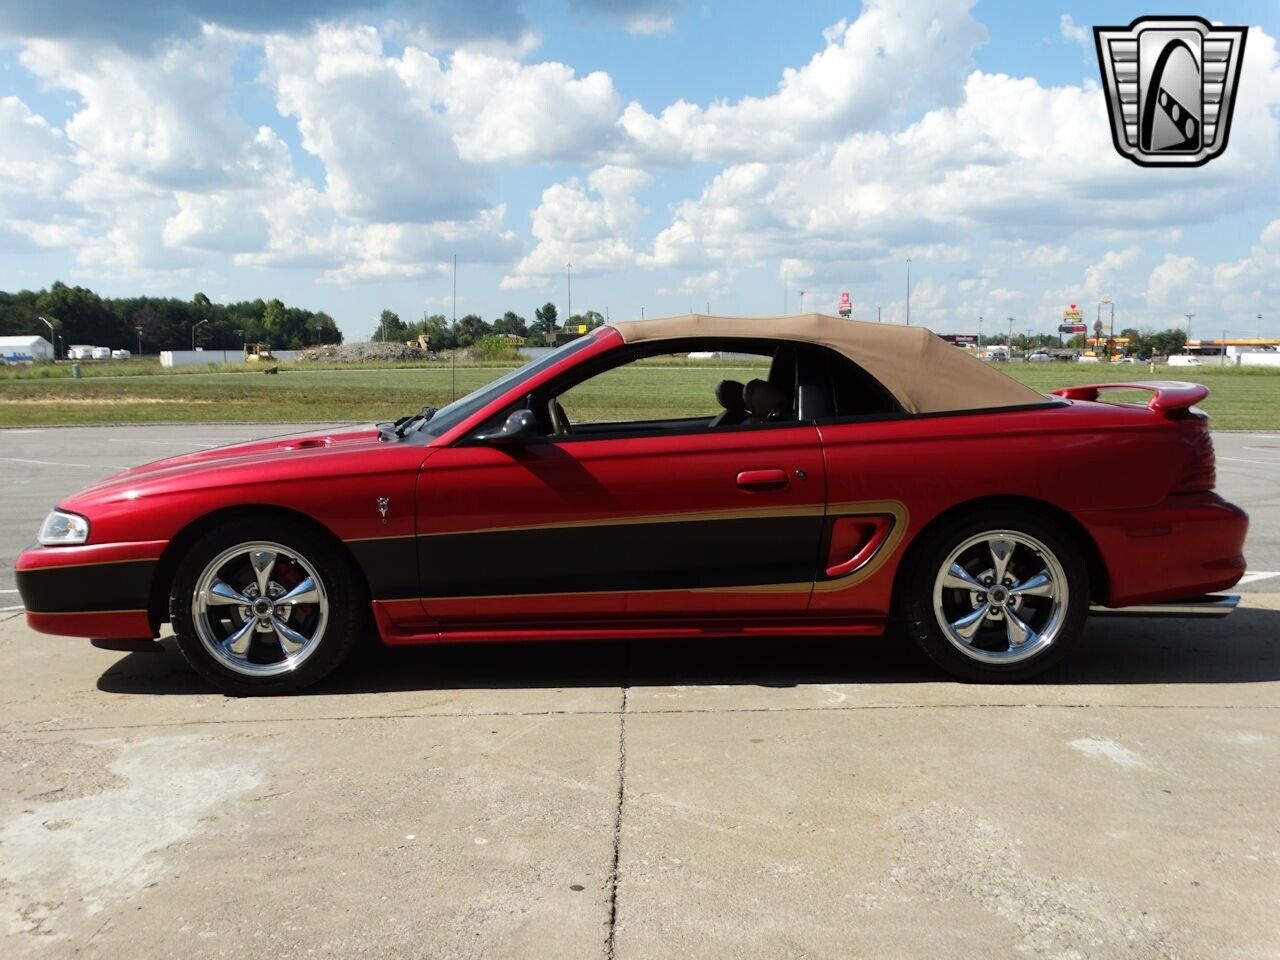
[1040, 357]
[997, 355]
[871, 475]
[1184, 360]
[120, 354]
[1088, 358]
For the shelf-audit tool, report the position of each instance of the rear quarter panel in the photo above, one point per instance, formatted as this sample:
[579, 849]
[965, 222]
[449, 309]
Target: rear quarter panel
[1073, 456]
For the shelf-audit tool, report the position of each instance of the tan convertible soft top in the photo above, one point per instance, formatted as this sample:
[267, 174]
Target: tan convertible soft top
[924, 372]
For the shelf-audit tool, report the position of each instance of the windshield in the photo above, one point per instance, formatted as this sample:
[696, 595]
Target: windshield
[454, 413]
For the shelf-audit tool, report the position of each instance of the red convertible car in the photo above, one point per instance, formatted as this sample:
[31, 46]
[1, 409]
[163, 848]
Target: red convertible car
[866, 476]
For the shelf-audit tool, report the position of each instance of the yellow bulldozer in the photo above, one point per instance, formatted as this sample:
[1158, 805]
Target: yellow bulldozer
[258, 353]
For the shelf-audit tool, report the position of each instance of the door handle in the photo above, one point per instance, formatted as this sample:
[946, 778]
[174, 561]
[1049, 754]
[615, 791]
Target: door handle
[774, 479]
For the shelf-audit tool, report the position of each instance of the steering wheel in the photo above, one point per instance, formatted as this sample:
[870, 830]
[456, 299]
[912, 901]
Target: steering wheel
[560, 424]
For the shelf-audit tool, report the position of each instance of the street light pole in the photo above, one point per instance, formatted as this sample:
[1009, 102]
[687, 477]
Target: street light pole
[568, 280]
[979, 336]
[194, 327]
[877, 313]
[908, 291]
[139, 329]
[54, 337]
[1188, 316]
[802, 301]
[1011, 338]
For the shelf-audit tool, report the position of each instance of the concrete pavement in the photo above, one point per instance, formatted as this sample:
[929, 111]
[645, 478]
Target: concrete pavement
[650, 800]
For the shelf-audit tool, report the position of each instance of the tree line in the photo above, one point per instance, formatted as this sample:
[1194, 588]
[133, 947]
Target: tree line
[473, 328]
[80, 316]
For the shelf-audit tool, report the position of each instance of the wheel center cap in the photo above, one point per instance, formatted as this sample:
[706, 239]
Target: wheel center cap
[262, 607]
[998, 595]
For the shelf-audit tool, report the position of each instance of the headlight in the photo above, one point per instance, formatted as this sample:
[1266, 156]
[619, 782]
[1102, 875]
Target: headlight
[60, 529]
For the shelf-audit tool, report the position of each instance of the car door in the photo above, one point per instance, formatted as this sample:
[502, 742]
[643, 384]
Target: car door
[695, 523]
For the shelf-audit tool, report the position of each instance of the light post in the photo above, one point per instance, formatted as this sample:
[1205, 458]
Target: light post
[802, 301]
[139, 331]
[877, 313]
[908, 291]
[642, 313]
[979, 336]
[195, 326]
[568, 280]
[54, 337]
[1259, 326]
[1188, 316]
[1011, 338]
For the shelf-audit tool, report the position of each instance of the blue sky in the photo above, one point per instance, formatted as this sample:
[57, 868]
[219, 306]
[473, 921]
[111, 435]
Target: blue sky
[680, 154]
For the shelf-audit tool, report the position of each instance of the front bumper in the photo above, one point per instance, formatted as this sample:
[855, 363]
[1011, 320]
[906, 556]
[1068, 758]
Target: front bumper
[1183, 547]
[94, 590]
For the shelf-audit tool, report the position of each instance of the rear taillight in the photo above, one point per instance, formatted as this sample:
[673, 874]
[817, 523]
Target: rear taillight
[1200, 473]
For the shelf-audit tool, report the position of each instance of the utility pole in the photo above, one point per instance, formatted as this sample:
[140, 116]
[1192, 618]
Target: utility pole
[1259, 326]
[453, 358]
[802, 301]
[139, 329]
[194, 327]
[979, 336]
[1188, 316]
[877, 313]
[1010, 338]
[908, 291]
[568, 281]
[642, 313]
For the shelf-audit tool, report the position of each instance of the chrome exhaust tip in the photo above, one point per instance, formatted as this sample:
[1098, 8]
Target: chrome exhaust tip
[1208, 605]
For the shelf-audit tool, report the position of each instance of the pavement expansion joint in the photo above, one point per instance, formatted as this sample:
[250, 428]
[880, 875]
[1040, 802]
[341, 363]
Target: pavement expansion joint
[610, 940]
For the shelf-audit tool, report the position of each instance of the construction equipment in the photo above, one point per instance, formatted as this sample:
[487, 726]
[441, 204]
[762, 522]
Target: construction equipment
[257, 352]
[422, 343]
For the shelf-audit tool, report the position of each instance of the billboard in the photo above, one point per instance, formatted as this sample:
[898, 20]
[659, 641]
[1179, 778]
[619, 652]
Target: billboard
[846, 305]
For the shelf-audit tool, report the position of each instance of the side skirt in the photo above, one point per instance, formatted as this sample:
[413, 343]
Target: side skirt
[403, 634]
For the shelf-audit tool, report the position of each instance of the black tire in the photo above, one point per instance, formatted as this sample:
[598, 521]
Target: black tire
[342, 589]
[920, 587]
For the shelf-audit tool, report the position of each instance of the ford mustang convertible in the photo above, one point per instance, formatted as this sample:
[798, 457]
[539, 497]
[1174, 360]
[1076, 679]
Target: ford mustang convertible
[852, 479]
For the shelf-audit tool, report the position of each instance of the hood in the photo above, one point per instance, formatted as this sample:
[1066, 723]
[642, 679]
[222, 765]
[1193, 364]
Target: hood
[232, 463]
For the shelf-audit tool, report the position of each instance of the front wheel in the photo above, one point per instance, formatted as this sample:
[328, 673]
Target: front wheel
[265, 606]
[997, 597]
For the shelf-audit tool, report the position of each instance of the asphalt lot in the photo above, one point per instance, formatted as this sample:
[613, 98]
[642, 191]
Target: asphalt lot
[725, 799]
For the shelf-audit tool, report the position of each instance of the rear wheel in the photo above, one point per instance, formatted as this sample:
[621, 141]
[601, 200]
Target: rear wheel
[265, 606]
[997, 597]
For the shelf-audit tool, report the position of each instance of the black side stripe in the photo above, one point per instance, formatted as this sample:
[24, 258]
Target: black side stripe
[746, 551]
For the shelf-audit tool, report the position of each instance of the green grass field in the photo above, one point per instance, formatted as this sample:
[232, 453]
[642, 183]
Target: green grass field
[139, 392]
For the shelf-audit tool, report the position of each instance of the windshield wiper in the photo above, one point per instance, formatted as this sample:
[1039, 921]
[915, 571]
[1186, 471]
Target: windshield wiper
[405, 424]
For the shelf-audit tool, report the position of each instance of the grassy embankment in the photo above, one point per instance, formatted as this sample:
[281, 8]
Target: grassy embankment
[139, 391]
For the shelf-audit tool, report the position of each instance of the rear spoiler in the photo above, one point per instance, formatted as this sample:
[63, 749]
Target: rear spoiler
[1167, 396]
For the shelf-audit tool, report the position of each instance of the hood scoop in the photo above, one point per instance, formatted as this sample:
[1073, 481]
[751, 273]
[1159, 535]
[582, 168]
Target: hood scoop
[306, 443]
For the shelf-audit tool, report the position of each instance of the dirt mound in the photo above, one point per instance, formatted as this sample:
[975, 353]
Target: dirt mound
[363, 352]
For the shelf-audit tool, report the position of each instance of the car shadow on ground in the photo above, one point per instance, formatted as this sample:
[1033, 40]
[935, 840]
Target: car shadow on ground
[1244, 648]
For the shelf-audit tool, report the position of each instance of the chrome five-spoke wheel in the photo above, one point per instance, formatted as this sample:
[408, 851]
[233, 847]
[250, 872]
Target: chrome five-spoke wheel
[1001, 597]
[260, 609]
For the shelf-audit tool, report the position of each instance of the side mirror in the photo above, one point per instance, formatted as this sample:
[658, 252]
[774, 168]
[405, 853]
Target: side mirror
[521, 427]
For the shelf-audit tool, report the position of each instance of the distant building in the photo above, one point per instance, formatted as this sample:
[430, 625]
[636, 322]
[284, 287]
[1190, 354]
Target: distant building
[25, 349]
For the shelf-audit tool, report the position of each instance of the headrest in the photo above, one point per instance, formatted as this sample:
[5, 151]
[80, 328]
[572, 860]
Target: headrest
[729, 395]
[763, 398]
